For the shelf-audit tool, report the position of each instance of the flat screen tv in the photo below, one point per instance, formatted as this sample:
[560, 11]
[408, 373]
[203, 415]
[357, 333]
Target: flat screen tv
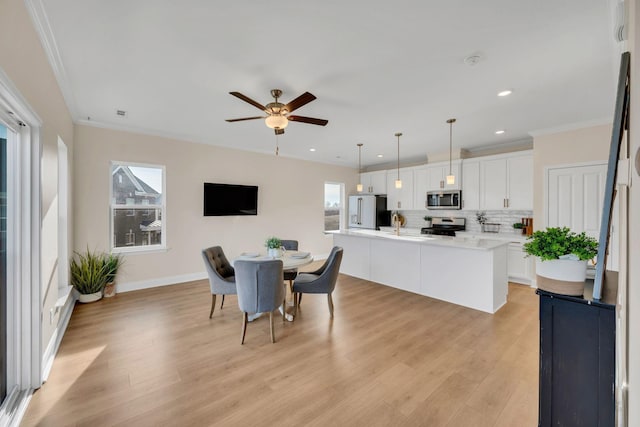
[229, 199]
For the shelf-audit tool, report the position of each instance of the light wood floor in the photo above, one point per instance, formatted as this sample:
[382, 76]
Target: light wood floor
[389, 357]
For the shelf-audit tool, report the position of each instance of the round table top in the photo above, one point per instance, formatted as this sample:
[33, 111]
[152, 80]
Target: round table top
[290, 259]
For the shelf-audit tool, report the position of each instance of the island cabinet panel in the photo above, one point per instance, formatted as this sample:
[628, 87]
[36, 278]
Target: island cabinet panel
[396, 264]
[356, 255]
[480, 284]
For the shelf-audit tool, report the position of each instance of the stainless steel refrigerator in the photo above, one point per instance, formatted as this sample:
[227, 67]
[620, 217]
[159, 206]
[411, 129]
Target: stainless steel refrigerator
[368, 211]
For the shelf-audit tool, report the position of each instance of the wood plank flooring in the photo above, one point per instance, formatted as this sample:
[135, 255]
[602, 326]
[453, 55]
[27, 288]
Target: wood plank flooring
[389, 357]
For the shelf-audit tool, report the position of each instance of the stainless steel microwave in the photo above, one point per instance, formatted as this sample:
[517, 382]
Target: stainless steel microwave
[450, 199]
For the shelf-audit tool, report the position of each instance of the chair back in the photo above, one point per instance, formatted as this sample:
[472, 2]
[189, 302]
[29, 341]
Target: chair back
[290, 245]
[217, 262]
[331, 268]
[259, 285]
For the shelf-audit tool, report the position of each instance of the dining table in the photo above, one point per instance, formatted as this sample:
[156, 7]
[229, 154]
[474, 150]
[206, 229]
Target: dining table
[290, 260]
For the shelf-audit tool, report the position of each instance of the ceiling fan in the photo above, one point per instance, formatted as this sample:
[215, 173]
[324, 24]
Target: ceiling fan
[278, 114]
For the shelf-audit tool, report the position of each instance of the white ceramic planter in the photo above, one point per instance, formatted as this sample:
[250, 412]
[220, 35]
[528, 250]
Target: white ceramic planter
[561, 276]
[85, 298]
[274, 253]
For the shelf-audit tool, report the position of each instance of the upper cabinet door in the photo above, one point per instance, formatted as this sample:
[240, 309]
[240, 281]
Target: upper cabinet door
[437, 177]
[455, 171]
[374, 182]
[470, 185]
[493, 184]
[520, 181]
[420, 188]
[400, 198]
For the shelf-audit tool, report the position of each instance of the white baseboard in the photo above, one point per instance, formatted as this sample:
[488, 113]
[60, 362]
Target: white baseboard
[54, 343]
[160, 281]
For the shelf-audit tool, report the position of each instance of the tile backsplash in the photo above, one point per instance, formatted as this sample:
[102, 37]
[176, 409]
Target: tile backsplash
[504, 218]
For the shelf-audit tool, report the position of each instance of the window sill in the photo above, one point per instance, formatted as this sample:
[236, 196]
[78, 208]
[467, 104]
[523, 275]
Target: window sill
[140, 250]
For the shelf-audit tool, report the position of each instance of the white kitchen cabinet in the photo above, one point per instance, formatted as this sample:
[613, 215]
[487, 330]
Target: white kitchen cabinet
[420, 188]
[400, 198]
[470, 185]
[437, 176]
[519, 266]
[507, 183]
[374, 182]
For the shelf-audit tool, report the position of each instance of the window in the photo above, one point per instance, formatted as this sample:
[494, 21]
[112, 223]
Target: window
[137, 207]
[333, 202]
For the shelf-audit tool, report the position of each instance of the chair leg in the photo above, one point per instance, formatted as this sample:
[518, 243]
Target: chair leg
[291, 286]
[273, 338]
[296, 297]
[213, 304]
[299, 298]
[244, 326]
[222, 303]
[330, 300]
[284, 308]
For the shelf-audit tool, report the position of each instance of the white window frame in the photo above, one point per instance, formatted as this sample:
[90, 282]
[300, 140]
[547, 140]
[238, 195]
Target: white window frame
[341, 223]
[113, 206]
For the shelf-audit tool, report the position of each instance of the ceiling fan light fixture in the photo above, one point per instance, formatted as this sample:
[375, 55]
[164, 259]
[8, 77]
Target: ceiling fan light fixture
[276, 122]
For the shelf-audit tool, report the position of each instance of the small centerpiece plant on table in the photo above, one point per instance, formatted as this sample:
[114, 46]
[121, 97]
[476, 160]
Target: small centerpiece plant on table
[562, 256]
[274, 245]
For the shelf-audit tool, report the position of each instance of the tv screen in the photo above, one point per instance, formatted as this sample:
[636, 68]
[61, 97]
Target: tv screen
[229, 199]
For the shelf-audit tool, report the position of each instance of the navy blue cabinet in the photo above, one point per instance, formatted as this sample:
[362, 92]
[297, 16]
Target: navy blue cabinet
[577, 360]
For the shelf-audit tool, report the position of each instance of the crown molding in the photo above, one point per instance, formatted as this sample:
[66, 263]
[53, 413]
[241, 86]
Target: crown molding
[41, 24]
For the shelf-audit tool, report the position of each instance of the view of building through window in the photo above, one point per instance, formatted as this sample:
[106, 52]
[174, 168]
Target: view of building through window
[332, 206]
[137, 206]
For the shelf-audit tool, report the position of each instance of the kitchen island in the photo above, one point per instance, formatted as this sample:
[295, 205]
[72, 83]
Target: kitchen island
[470, 272]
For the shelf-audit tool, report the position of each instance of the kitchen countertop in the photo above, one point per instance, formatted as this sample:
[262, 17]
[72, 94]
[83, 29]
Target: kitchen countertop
[512, 237]
[410, 236]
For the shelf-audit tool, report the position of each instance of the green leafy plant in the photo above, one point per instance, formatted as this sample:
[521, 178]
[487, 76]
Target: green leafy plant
[273, 243]
[427, 218]
[518, 225]
[481, 217]
[113, 263]
[89, 272]
[555, 242]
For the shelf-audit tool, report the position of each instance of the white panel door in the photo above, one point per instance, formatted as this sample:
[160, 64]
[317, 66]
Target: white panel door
[574, 199]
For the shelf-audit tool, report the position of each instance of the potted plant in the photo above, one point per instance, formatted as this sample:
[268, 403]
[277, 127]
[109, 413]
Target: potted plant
[89, 273]
[274, 246]
[519, 226]
[562, 255]
[113, 263]
[428, 220]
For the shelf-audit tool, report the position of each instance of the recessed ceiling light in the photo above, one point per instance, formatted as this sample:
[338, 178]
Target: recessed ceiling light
[505, 93]
[500, 132]
[380, 155]
[312, 149]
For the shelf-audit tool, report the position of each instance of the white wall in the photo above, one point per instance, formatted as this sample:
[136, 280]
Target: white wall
[290, 200]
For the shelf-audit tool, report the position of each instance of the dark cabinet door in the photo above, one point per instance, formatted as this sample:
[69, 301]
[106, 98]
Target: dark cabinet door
[577, 363]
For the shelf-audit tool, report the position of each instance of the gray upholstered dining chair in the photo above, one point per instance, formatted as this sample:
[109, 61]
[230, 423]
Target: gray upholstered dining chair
[260, 289]
[221, 275]
[290, 275]
[321, 281]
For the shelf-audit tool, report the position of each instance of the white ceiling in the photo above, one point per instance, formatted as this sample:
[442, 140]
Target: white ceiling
[376, 68]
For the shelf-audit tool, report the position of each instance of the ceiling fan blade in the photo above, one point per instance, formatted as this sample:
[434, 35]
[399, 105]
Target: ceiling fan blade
[245, 118]
[303, 99]
[279, 131]
[311, 120]
[249, 100]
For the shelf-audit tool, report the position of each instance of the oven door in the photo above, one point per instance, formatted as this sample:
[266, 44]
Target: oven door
[443, 200]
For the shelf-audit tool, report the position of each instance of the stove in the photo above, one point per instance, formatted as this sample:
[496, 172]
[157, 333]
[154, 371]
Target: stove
[445, 226]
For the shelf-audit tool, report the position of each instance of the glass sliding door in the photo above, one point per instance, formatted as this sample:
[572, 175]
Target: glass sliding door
[3, 262]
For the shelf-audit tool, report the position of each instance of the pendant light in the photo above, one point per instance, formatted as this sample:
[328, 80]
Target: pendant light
[398, 181]
[451, 179]
[359, 186]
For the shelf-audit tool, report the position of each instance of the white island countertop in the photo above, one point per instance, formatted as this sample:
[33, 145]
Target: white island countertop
[409, 236]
